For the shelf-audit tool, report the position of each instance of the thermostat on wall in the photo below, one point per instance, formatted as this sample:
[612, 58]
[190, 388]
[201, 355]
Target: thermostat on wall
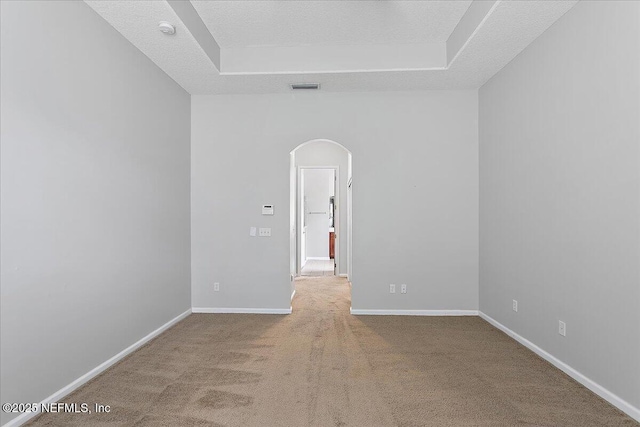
[267, 209]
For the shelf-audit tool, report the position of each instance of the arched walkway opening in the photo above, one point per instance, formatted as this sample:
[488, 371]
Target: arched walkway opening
[321, 185]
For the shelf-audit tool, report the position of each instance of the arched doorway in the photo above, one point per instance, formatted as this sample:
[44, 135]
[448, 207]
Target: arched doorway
[311, 160]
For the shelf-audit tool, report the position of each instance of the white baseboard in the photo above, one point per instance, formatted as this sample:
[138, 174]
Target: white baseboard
[231, 310]
[318, 258]
[610, 397]
[58, 395]
[293, 294]
[343, 275]
[358, 312]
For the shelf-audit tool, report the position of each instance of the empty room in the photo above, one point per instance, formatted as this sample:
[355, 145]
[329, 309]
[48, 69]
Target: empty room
[320, 213]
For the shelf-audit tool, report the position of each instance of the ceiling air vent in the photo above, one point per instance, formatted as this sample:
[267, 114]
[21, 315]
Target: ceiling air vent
[305, 86]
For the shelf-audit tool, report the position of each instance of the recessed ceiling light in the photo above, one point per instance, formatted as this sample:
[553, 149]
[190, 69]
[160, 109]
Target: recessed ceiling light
[167, 28]
[307, 86]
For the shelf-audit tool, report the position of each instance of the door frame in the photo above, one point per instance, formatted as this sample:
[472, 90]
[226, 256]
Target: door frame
[336, 186]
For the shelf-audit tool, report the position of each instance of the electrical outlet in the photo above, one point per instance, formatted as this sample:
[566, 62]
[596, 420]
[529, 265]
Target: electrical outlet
[562, 328]
[264, 232]
[216, 287]
[515, 305]
[392, 288]
[403, 289]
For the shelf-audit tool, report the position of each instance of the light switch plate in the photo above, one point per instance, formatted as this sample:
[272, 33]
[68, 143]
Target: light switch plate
[253, 231]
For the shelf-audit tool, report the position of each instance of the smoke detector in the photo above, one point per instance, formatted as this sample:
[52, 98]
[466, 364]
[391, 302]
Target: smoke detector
[166, 28]
[305, 86]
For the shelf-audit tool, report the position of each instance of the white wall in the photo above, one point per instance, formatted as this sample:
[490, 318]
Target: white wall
[560, 193]
[324, 153]
[95, 196]
[417, 152]
[318, 188]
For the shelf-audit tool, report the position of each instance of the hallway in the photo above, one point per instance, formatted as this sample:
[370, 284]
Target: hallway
[320, 366]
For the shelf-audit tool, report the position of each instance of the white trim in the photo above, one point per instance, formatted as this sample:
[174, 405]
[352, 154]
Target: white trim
[357, 312]
[231, 310]
[58, 395]
[293, 294]
[343, 275]
[610, 397]
[318, 258]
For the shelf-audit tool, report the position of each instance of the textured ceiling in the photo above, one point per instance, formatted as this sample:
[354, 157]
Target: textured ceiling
[504, 33]
[306, 23]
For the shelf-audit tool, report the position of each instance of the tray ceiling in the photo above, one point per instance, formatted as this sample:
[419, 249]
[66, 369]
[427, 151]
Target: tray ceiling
[264, 46]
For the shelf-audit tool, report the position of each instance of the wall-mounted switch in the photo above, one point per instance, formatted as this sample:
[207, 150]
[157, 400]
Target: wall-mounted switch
[403, 289]
[216, 287]
[253, 231]
[264, 232]
[392, 288]
[515, 305]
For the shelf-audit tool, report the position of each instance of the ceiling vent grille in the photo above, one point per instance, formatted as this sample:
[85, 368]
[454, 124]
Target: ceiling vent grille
[305, 86]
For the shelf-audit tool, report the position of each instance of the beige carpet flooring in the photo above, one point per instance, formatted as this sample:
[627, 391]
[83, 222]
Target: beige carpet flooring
[320, 366]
